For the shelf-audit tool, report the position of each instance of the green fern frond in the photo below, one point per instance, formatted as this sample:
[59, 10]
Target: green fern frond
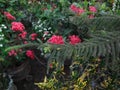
[106, 22]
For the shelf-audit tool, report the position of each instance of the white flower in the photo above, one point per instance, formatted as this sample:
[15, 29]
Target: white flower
[40, 25]
[3, 26]
[51, 31]
[40, 30]
[2, 35]
[1, 45]
[45, 29]
[1, 38]
[45, 38]
[44, 35]
[39, 21]
[49, 28]
[36, 27]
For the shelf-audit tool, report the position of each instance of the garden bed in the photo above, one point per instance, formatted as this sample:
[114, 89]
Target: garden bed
[60, 45]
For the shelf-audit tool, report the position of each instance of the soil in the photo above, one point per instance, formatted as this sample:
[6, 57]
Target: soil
[37, 73]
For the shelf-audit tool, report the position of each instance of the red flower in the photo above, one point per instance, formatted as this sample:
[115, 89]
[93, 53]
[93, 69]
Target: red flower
[92, 9]
[20, 50]
[73, 8]
[9, 16]
[23, 35]
[42, 38]
[51, 65]
[12, 53]
[74, 39]
[18, 26]
[30, 54]
[33, 36]
[77, 10]
[46, 32]
[25, 42]
[80, 11]
[91, 16]
[56, 39]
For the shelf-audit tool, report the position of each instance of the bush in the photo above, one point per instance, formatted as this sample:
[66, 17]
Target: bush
[85, 33]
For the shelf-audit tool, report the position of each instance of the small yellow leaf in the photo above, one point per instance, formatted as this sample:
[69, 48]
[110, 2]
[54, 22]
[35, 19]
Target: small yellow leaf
[45, 79]
[58, 48]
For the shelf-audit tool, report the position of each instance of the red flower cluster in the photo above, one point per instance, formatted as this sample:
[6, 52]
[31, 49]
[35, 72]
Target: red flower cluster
[77, 10]
[12, 53]
[9, 16]
[30, 54]
[18, 26]
[92, 9]
[74, 39]
[23, 35]
[56, 39]
[33, 36]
